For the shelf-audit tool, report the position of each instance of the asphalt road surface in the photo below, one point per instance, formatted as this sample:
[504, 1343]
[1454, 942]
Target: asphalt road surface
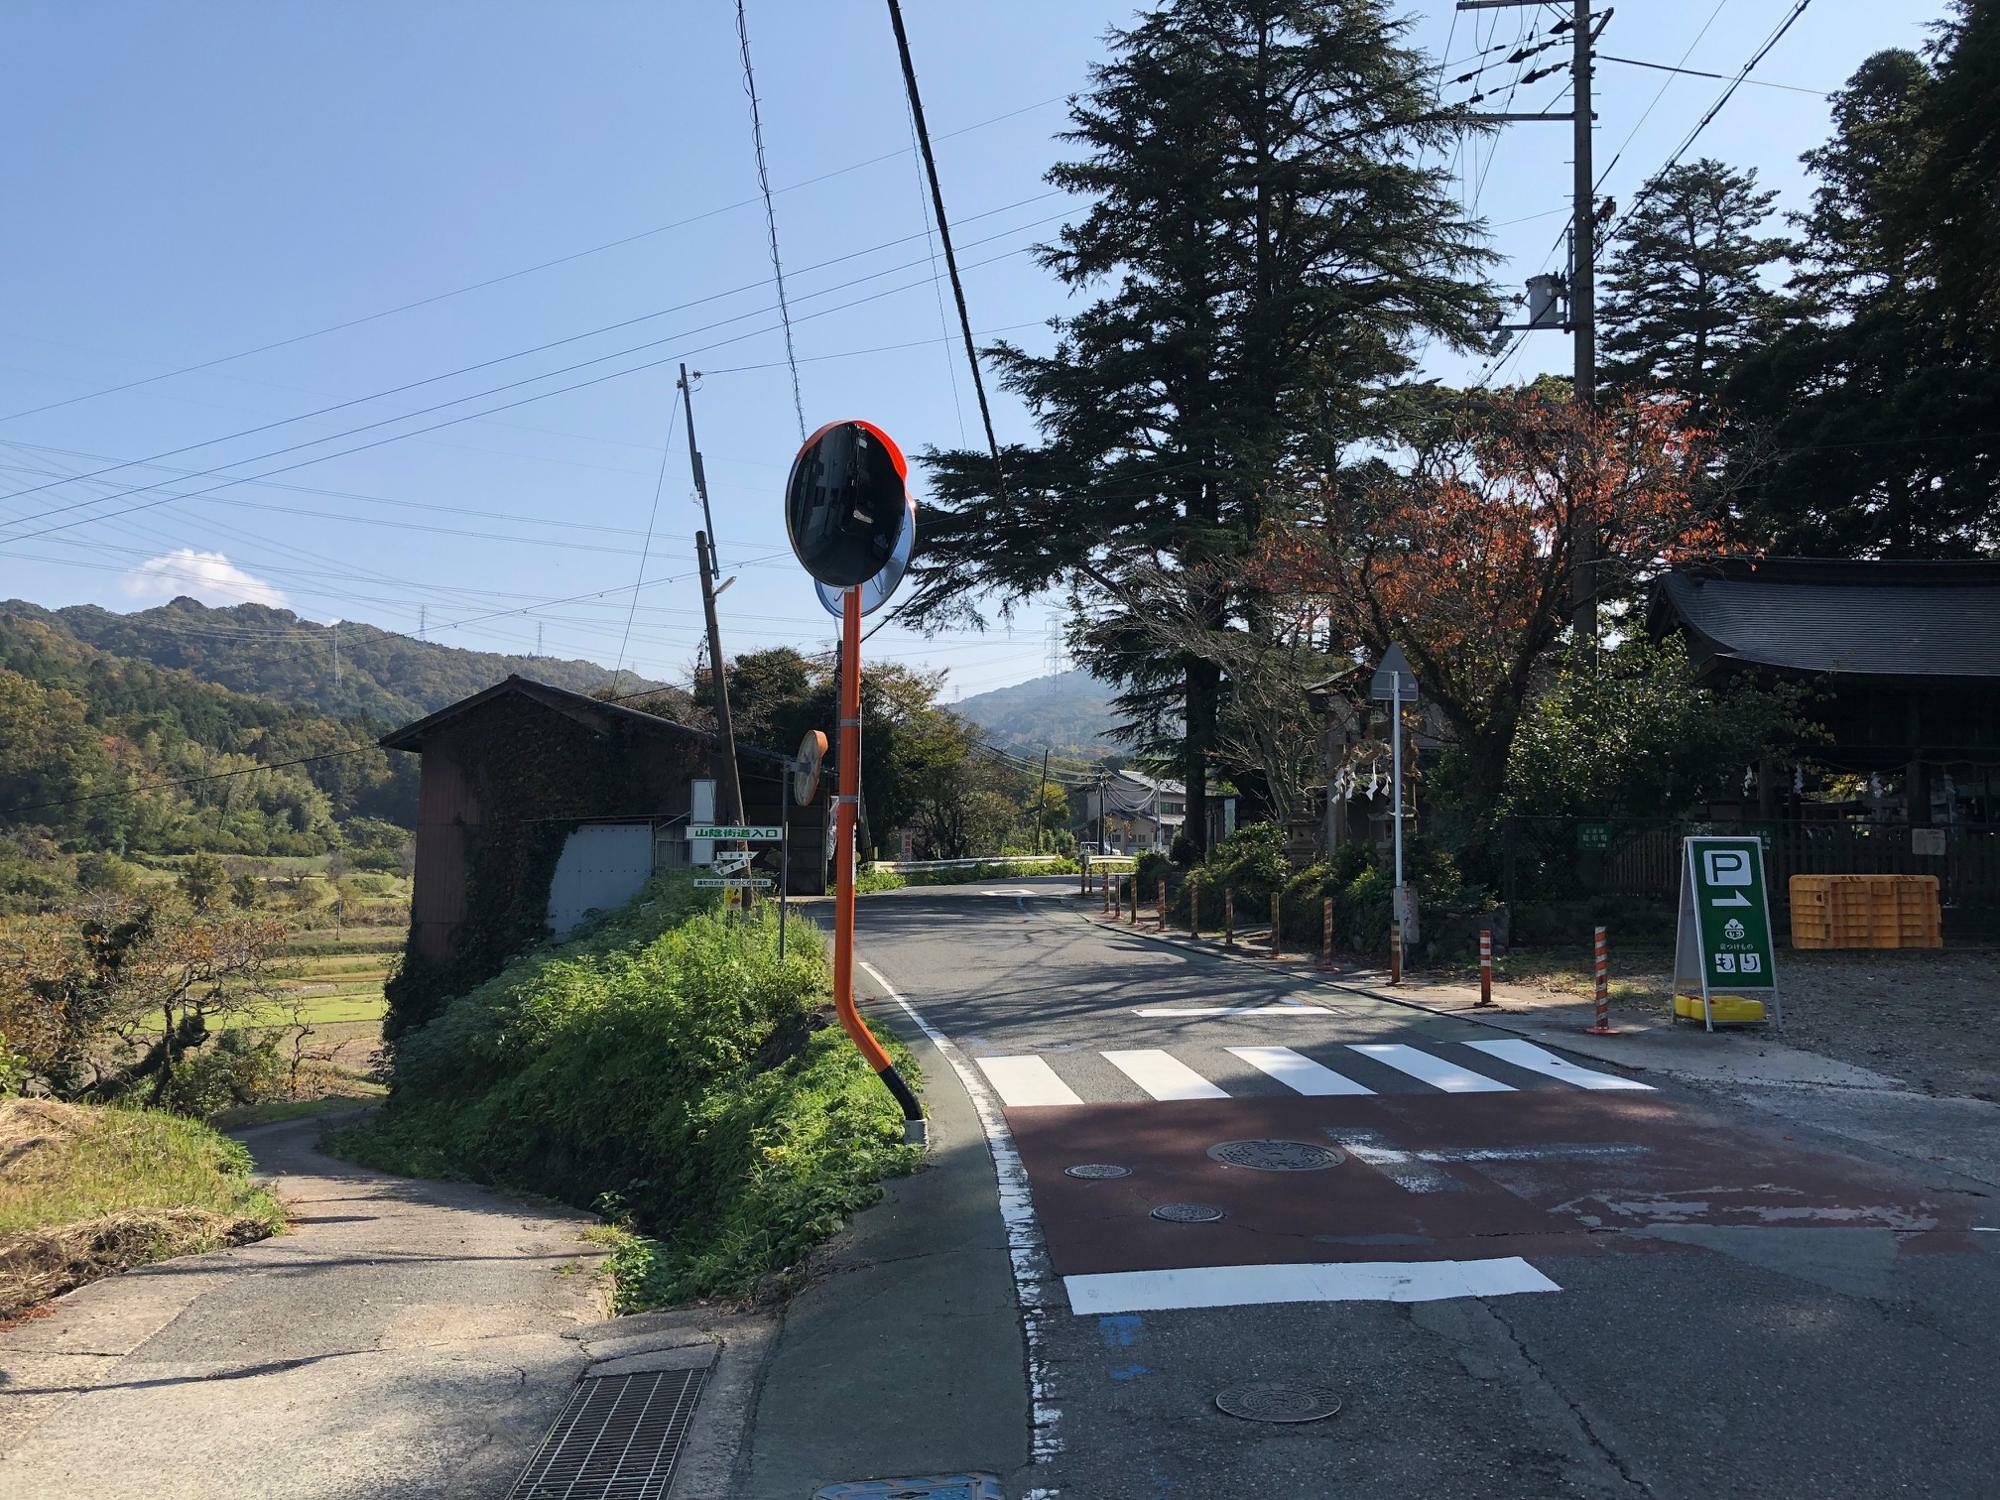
[1516, 1273]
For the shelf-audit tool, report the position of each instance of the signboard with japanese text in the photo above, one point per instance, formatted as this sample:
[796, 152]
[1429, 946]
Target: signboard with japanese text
[1724, 941]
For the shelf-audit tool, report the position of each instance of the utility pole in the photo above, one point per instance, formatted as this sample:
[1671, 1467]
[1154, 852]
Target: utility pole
[1582, 262]
[1041, 793]
[704, 547]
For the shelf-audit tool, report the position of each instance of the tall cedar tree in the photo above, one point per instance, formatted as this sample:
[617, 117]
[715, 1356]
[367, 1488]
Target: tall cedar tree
[1684, 292]
[1874, 414]
[1271, 246]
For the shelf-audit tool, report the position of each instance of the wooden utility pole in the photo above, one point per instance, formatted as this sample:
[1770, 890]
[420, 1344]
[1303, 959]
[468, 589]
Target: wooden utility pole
[704, 547]
[1582, 264]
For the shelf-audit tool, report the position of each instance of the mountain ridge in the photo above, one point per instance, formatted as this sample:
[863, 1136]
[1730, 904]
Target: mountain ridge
[1069, 713]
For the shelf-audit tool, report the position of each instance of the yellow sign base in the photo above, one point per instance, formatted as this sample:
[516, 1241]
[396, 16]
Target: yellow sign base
[1725, 1010]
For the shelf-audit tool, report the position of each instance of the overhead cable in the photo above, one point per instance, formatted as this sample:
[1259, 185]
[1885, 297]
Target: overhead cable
[770, 213]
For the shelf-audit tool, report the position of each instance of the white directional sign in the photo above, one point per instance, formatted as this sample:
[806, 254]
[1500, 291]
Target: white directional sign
[753, 833]
[733, 883]
[731, 860]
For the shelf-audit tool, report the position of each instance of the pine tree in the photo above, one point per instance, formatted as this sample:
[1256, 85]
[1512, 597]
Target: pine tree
[1685, 291]
[1869, 423]
[1269, 242]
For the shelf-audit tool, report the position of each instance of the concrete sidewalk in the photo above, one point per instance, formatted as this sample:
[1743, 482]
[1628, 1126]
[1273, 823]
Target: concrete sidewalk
[405, 1337]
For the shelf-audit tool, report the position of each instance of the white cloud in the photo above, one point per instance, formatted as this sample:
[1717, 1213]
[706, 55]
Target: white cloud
[208, 576]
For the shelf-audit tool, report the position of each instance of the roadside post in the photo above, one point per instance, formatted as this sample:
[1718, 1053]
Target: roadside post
[1486, 966]
[1395, 950]
[1194, 906]
[852, 525]
[1104, 889]
[1163, 905]
[1725, 969]
[1600, 968]
[805, 786]
[1133, 913]
[1277, 935]
[1326, 932]
[1228, 917]
[1395, 684]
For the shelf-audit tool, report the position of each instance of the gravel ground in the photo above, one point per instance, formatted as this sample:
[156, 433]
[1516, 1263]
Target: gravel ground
[1930, 1017]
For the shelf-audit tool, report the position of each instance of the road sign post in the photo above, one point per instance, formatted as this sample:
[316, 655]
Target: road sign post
[1396, 684]
[1723, 949]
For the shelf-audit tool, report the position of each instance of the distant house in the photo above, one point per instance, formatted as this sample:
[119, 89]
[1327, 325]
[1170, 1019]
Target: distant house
[1131, 813]
[537, 805]
[1905, 657]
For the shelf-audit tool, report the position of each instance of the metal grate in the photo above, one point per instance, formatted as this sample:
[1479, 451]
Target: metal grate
[617, 1439]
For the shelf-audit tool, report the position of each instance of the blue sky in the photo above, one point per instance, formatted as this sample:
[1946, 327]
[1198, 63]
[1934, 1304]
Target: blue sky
[188, 182]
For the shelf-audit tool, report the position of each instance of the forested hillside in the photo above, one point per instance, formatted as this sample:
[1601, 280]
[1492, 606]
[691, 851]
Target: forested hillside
[85, 735]
[1069, 712]
[273, 653]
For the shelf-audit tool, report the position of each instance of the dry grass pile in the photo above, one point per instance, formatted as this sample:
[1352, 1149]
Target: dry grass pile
[86, 1192]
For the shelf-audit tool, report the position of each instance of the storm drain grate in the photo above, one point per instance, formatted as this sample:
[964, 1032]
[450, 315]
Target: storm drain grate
[617, 1439]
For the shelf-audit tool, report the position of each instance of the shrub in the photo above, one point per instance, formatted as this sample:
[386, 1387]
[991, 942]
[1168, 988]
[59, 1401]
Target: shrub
[671, 1061]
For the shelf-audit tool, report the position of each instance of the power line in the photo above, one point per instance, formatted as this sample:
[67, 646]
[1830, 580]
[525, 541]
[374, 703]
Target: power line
[1762, 83]
[944, 237]
[585, 334]
[770, 213]
[488, 411]
[659, 483]
[152, 786]
[561, 260]
[1713, 110]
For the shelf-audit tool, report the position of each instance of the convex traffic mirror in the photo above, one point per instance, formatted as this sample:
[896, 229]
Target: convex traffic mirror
[846, 503]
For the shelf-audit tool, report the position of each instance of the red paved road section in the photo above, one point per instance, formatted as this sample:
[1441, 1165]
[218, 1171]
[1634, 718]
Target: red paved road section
[1542, 1172]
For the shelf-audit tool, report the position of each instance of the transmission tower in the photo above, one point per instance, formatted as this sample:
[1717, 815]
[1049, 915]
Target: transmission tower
[1056, 659]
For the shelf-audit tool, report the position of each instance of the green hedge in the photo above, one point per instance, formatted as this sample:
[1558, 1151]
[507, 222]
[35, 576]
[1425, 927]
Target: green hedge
[668, 1070]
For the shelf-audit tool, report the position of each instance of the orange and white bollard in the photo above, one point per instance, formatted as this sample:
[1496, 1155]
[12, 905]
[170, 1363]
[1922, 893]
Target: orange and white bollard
[1602, 968]
[1277, 937]
[1228, 917]
[1194, 906]
[1395, 950]
[1163, 906]
[1486, 966]
[1133, 914]
[1104, 888]
[1326, 932]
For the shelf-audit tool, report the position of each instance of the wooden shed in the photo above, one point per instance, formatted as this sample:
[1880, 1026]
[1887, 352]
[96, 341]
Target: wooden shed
[536, 805]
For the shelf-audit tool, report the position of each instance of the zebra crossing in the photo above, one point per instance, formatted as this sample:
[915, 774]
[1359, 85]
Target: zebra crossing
[1349, 1070]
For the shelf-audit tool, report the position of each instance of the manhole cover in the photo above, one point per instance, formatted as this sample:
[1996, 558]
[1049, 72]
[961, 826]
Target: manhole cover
[1188, 1213]
[1096, 1170]
[1276, 1156]
[1278, 1401]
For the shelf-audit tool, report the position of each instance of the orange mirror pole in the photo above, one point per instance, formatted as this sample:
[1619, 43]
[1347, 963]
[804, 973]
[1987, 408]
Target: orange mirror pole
[846, 809]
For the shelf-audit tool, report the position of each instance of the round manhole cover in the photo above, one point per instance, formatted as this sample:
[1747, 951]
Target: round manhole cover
[1188, 1213]
[1276, 1156]
[1278, 1401]
[1095, 1171]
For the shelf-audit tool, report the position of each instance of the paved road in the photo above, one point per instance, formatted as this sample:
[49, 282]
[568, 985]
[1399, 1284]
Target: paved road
[1521, 1274]
[405, 1338]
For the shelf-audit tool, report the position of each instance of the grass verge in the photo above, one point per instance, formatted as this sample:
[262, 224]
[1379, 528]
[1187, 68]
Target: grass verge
[86, 1192]
[668, 1071]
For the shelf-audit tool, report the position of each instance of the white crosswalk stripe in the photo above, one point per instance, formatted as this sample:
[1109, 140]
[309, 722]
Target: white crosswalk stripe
[1432, 1070]
[1298, 1072]
[1024, 1082]
[1163, 1075]
[1540, 1060]
[1032, 1080]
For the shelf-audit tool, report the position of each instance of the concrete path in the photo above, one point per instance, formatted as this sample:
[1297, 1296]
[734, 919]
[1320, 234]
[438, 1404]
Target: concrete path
[407, 1338]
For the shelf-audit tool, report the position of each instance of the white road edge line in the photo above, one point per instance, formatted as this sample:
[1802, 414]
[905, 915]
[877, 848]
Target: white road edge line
[1289, 1009]
[1025, 1250]
[1356, 1281]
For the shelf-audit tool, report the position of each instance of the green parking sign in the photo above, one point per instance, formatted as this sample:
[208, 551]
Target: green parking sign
[1725, 922]
[1593, 835]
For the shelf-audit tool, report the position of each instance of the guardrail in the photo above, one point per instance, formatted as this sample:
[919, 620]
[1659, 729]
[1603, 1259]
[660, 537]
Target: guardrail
[902, 865]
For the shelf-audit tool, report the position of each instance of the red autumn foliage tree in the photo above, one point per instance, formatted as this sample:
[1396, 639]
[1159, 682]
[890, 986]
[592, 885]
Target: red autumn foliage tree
[1468, 556]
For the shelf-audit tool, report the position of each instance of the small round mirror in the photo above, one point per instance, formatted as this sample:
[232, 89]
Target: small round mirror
[876, 591]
